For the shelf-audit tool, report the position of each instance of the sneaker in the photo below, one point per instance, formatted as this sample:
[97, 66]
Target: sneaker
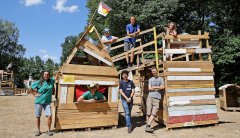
[37, 133]
[49, 133]
[148, 129]
[130, 129]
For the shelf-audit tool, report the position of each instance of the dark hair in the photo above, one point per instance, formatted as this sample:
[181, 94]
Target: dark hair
[124, 71]
[154, 68]
[42, 78]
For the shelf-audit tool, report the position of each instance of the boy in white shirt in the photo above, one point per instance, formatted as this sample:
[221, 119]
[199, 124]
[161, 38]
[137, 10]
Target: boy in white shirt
[108, 39]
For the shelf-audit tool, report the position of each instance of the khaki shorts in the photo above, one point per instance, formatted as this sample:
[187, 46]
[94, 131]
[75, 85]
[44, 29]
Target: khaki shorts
[152, 106]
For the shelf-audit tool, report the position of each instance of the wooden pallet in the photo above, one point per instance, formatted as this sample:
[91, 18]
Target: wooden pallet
[231, 109]
[87, 129]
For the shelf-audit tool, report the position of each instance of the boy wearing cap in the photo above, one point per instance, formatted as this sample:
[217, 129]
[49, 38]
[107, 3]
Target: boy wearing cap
[92, 96]
[132, 30]
[126, 89]
[108, 39]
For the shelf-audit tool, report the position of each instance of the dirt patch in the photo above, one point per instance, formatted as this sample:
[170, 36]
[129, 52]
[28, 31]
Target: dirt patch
[17, 120]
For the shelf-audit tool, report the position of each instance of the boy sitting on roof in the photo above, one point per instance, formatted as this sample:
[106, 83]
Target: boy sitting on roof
[93, 95]
[108, 39]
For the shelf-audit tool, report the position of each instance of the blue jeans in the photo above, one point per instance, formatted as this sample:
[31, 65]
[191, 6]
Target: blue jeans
[127, 109]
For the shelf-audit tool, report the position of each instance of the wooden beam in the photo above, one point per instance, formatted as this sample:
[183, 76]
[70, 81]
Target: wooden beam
[88, 51]
[205, 36]
[89, 70]
[134, 49]
[141, 33]
[121, 45]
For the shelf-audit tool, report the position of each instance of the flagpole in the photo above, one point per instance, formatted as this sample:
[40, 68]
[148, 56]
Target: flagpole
[92, 16]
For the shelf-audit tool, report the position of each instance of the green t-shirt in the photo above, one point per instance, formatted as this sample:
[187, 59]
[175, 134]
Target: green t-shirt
[45, 91]
[97, 96]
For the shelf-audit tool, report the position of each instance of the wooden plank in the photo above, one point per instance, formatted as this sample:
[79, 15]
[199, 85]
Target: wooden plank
[119, 46]
[175, 51]
[86, 115]
[182, 82]
[189, 124]
[96, 49]
[186, 98]
[190, 78]
[87, 105]
[114, 94]
[191, 90]
[210, 73]
[186, 37]
[184, 69]
[87, 82]
[192, 102]
[141, 33]
[189, 64]
[192, 112]
[70, 93]
[192, 118]
[101, 122]
[123, 56]
[109, 94]
[134, 49]
[172, 94]
[63, 94]
[190, 86]
[94, 77]
[108, 62]
[89, 70]
[187, 108]
[203, 50]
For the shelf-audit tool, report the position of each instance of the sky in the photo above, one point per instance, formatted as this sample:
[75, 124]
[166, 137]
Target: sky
[43, 24]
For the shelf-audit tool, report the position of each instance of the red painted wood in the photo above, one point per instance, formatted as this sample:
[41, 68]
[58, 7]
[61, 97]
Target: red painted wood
[191, 118]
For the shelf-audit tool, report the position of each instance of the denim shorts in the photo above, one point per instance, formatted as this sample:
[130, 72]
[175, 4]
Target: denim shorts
[46, 107]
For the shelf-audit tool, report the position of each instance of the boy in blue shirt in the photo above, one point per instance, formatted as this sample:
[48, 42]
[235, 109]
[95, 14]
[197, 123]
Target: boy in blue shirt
[133, 30]
[126, 89]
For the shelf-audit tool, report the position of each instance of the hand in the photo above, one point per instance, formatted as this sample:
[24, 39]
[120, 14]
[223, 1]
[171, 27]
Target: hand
[92, 101]
[129, 100]
[111, 41]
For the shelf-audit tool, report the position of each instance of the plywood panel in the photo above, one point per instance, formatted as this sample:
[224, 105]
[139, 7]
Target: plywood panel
[89, 70]
[172, 94]
[192, 118]
[70, 94]
[191, 90]
[189, 77]
[192, 112]
[186, 98]
[192, 102]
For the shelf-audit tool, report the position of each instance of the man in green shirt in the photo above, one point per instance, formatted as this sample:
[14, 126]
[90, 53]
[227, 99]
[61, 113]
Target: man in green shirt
[92, 96]
[42, 90]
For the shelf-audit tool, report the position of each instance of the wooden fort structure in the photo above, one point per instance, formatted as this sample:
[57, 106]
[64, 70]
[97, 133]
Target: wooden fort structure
[184, 61]
[87, 63]
[6, 82]
[229, 97]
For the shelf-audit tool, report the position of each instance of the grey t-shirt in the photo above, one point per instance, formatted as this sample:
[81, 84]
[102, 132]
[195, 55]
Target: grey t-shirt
[155, 82]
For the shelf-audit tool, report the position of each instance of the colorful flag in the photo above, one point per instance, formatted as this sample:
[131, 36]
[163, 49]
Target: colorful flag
[103, 9]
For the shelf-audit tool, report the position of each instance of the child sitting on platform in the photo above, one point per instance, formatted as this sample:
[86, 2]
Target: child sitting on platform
[171, 29]
[93, 95]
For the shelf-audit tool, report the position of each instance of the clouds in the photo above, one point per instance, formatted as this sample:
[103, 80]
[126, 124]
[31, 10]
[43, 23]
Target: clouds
[45, 55]
[60, 7]
[29, 3]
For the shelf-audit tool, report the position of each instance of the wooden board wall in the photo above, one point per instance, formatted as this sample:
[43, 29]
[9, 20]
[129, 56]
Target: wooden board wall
[190, 94]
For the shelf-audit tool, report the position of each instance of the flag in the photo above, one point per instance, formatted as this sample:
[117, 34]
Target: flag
[9, 66]
[92, 28]
[103, 9]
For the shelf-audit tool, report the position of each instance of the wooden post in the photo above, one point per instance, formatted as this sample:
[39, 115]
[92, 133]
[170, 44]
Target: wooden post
[207, 44]
[200, 45]
[156, 49]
